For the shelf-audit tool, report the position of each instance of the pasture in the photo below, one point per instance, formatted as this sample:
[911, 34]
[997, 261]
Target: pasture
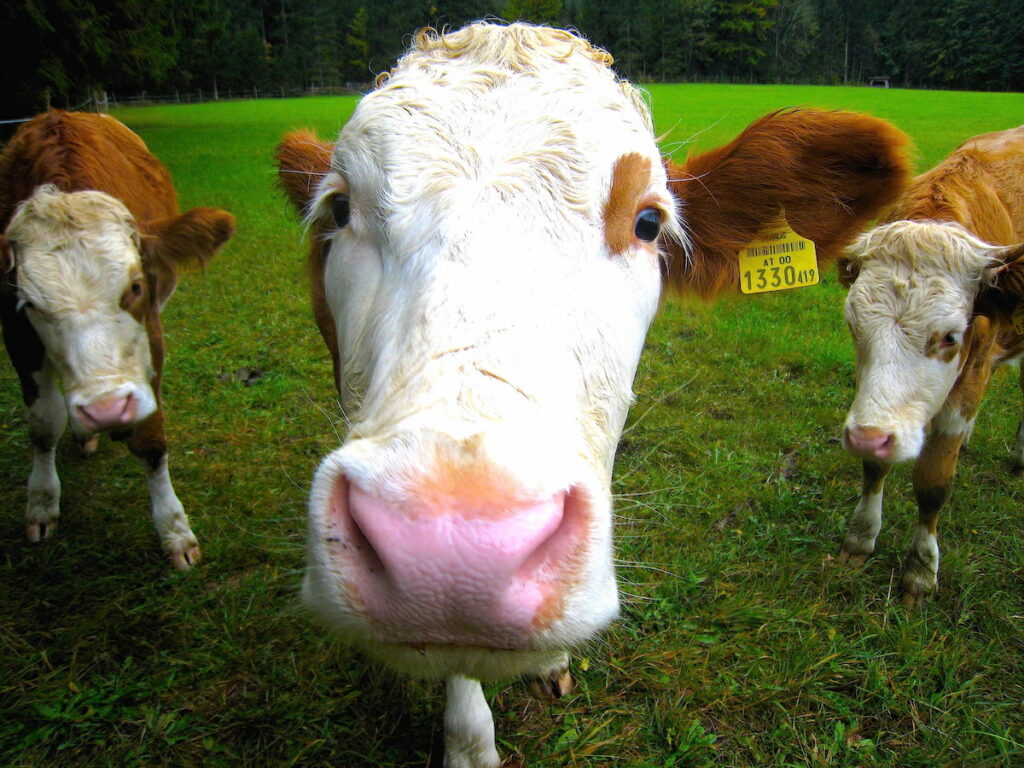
[740, 644]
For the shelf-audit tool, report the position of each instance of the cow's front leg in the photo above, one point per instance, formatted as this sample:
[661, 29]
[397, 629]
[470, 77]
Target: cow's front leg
[1018, 453]
[47, 417]
[933, 476]
[866, 521]
[468, 727]
[149, 444]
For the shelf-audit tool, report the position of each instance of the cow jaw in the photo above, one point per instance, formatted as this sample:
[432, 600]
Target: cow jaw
[909, 311]
[79, 277]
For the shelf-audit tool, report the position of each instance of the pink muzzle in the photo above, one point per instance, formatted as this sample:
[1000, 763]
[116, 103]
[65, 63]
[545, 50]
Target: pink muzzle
[108, 412]
[489, 571]
[869, 443]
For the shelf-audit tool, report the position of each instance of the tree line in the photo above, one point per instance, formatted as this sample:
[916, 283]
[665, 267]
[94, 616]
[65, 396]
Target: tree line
[78, 47]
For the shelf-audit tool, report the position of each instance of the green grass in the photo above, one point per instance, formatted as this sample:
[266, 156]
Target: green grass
[740, 643]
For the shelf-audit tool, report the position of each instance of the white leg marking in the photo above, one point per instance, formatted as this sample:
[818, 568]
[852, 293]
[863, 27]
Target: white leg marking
[468, 727]
[47, 418]
[862, 529]
[170, 519]
[920, 573]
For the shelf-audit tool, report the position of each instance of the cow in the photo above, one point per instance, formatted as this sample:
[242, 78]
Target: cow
[92, 244]
[934, 304]
[491, 234]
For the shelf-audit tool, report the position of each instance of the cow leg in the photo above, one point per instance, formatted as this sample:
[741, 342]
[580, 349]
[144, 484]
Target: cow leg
[148, 443]
[47, 417]
[1018, 454]
[933, 476]
[866, 522]
[468, 727]
[553, 683]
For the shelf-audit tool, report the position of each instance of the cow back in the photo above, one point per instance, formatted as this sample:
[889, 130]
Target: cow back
[78, 151]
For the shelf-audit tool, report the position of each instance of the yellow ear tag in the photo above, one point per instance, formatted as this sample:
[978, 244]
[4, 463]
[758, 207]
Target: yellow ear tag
[777, 259]
[1017, 318]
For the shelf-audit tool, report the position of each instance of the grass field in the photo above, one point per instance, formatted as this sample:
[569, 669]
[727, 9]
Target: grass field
[740, 643]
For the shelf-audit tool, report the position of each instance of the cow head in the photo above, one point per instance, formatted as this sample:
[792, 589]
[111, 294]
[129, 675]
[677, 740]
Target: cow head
[92, 283]
[913, 294]
[491, 234]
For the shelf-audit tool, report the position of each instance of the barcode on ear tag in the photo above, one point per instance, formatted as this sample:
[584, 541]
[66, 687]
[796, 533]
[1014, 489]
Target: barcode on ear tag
[777, 259]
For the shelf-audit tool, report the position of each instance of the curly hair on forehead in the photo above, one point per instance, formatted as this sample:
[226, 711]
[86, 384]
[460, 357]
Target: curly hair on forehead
[514, 45]
[516, 48]
[51, 215]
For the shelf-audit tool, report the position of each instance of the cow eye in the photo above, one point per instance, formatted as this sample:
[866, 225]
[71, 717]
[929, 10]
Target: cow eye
[950, 339]
[339, 209]
[647, 225]
[136, 288]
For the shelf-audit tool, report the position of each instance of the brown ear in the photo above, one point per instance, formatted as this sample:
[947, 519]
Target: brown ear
[847, 269]
[180, 243]
[831, 172]
[1009, 278]
[302, 160]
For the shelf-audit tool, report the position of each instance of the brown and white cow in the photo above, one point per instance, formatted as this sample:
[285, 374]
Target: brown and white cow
[92, 245]
[491, 234]
[934, 304]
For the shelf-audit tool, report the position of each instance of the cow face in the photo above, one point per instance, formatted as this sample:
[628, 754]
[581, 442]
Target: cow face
[909, 308]
[485, 264]
[91, 285]
[82, 286]
[491, 268]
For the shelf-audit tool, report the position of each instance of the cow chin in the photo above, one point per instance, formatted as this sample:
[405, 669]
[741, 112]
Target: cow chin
[479, 577]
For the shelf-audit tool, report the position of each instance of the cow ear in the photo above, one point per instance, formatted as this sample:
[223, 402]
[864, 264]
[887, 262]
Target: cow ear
[1009, 276]
[848, 265]
[302, 160]
[829, 172]
[6, 256]
[183, 242]
[847, 270]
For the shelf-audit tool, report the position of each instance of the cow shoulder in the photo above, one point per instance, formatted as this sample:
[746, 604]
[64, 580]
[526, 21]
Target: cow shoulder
[830, 172]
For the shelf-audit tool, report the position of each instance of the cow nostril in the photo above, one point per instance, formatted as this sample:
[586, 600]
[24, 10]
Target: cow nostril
[360, 543]
[552, 553]
[354, 539]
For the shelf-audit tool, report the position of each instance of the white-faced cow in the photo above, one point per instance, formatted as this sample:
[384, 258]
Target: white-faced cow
[934, 303]
[92, 244]
[491, 234]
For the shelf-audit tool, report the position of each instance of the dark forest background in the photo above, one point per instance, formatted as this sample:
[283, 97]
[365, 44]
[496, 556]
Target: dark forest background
[64, 51]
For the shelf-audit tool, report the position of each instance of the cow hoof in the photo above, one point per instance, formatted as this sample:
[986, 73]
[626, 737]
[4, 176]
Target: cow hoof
[913, 601]
[87, 446]
[851, 559]
[185, 555]
[37, 530]
[1017, 469]
[919, 581]
[555, 685]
